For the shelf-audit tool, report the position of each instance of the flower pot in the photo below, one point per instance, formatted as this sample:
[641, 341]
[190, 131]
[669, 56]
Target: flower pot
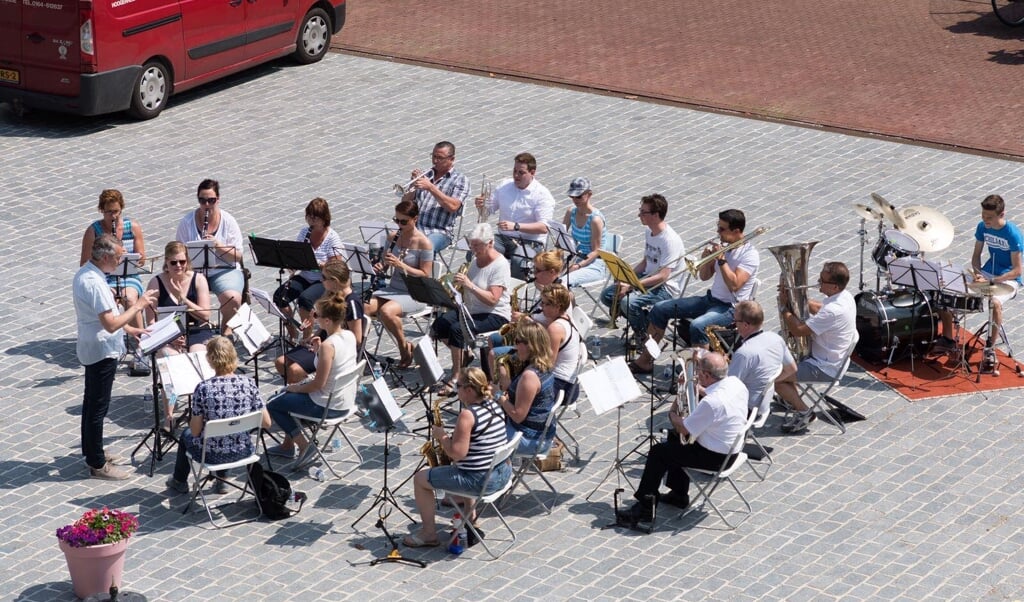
[94, 568]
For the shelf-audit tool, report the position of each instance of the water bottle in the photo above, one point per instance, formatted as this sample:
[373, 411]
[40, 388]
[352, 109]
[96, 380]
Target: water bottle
[596, 346]
[377, 370]
[667, 373]
[336, 444]
[458, 541]
[316, 473]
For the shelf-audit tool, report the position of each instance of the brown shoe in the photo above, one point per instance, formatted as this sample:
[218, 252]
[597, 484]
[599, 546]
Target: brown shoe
[109, 472]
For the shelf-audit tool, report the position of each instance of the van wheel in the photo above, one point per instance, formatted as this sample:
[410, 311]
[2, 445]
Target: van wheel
[314, 37]
[151, 91]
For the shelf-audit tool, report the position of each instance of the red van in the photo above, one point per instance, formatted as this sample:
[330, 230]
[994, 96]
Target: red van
[100, 56]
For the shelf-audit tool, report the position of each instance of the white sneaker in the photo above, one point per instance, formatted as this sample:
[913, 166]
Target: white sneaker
[109, 472]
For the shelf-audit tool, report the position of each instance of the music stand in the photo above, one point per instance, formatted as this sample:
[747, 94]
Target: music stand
[385, 413]
[563, 240]
[430, 371]
[359, 261]
[919, 275]
[654, 349]
[608, 386]
[161, 333]
[264, 300]
[254, 335]
[621, 273]
[204, 257]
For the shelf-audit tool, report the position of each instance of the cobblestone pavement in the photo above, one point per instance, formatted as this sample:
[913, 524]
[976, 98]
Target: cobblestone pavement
[921, 501]
[944, 71]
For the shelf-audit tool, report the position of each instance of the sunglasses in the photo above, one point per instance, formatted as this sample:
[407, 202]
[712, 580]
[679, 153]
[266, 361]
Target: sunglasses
[177, 262]
[207, 200]
[401, 222]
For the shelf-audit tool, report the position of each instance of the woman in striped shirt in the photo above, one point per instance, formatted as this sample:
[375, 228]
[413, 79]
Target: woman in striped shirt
[479, 431]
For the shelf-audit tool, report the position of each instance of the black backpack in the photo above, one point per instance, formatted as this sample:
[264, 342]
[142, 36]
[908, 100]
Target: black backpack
[273, 491]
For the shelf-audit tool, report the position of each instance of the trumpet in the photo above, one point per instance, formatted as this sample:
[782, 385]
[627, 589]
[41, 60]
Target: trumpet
[694, 266]
[401, 189]
[486, 188]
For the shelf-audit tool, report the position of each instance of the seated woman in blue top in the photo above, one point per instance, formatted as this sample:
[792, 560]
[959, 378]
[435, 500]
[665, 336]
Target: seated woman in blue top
[226, 395]
[587, 227]
[531, 396]
[479, 432]
[335, 356]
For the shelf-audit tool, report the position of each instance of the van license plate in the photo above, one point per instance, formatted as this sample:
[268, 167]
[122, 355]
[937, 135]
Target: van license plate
[10, 76]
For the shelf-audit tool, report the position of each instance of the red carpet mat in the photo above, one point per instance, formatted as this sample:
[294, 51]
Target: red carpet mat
[939, 376]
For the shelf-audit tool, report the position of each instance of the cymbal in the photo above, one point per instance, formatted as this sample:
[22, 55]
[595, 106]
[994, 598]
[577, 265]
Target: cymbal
[888, 210]
[865, 212]
[990, 289]
[932, 230]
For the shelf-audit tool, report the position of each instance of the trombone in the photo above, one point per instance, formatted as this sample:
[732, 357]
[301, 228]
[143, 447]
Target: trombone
[694, 266]
[401, 189]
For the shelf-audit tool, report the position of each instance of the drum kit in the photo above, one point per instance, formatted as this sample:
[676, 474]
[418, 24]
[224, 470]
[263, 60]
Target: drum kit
[900, 318]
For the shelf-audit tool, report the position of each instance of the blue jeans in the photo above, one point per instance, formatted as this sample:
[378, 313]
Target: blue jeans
[281, 407]
[99, 380]
[633, 304]
[440, 240]
[453, 478]
[702, 311]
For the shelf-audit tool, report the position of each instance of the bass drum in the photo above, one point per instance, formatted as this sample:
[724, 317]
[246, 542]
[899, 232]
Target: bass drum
[902, 319]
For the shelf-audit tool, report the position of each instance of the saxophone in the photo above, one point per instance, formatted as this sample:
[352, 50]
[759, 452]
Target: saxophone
[714, 341]
[508, 331]
[432, 450]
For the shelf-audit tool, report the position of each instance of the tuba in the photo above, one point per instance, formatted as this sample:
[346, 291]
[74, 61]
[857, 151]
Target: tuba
[432, 450]
[793, 285]
[688, 379]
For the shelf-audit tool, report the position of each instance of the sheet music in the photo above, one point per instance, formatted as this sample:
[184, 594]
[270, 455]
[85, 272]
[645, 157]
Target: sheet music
[128, 265]
[609, 385]
[248, 327]
[383, 393]
[374, 233]
[429, 367]
[184, 371]
[199, 256]
[164, 331]
[561, 237]
[358, 258]
[264, 300]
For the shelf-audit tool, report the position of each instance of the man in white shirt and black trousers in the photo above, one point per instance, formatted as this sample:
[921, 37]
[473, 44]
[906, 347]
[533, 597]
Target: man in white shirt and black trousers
[715, 423]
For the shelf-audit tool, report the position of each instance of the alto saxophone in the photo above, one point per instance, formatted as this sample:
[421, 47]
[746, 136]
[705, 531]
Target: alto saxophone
[432, 450]
[508, 330]
[714, 341]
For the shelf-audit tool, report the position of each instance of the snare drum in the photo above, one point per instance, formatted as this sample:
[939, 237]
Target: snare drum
[892, 245]
[884, 318]
[961, 302]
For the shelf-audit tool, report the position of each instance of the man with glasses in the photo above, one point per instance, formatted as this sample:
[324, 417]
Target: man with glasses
[734, 273]
[524, 207]
[100, 343]
[832, 327]
[714, 425]
[663, 254]
[210, 222]
[760, 356]
[440, 197]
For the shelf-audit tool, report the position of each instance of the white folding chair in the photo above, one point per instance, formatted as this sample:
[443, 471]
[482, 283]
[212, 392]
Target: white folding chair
[204, 472]
[707, 481]
[614, 243]
[527, 464]
[583, 324]
[819, 400]
[344, 383]
[763, 411]
[482, 501]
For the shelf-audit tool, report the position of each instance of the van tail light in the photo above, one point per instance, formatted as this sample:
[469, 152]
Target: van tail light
[87, 42]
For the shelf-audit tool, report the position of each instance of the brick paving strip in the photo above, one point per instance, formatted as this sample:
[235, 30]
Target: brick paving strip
[935, 71]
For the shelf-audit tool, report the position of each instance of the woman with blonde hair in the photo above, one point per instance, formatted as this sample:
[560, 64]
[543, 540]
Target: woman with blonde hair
[566, 341]
[479, 432]
[335, 355]
[179, 286]
[226, 395]
[531, 394]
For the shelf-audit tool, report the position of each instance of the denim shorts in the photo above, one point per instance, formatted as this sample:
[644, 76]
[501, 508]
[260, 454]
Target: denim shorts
[453, 478]
[226, 280]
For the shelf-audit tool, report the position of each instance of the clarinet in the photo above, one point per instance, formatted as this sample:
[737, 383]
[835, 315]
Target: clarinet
[380, 279]
[206, 223]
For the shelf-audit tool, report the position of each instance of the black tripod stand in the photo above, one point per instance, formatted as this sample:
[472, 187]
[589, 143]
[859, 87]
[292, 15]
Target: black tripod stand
[163, 441]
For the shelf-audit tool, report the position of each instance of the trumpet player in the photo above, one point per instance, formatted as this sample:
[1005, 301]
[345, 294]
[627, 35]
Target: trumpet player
[831, 326]
[663, 252]
[715, 423]
[524, 207]
[732, 272]
[441, 192]
[485, 292]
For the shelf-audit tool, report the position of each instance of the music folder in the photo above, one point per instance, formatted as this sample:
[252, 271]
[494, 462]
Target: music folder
[609, 385]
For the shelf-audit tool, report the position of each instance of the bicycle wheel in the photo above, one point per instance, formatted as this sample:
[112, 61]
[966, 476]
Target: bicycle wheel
[1010, 12]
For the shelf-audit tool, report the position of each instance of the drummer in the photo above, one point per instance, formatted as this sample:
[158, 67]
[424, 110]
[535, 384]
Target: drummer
[1004, 241]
